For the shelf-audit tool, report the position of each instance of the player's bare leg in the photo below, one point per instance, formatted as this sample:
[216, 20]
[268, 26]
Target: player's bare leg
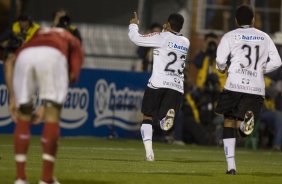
[147, 135]
[49, 140]
[229, 142]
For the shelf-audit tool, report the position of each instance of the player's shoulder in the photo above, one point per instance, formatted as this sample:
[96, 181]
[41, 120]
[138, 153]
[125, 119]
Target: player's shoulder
[178, 37]
[152, 34]
[261, 33]
[165, 34]
[246, 33]
[185, 39]
[181, 36]
[44, 30]
[54, 32]
[258, 31]
[229, 34]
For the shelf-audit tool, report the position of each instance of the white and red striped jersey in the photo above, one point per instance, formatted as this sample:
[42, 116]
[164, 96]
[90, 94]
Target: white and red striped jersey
[169, 55]
[251, 54]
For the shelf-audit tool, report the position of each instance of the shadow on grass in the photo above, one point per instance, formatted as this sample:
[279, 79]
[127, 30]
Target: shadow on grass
[191, 161]
[261, 174]
[102, 159]
[81, 181]
[164, 173]
[179, 174]
[133, 160]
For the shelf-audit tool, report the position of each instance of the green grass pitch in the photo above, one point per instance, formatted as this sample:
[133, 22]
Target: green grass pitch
[102, 161]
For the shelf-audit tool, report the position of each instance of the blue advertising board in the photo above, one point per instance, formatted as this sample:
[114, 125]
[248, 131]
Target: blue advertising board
[103, 103]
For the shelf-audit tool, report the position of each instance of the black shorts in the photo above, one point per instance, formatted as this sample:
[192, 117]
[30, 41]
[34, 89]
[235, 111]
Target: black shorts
[156, 102]
[235, 104]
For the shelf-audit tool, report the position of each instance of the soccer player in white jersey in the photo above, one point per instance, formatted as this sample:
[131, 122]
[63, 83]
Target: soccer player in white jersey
[164, 91]
[246, 53]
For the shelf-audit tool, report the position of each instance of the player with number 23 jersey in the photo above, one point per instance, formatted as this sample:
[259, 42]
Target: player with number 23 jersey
[169, 57]
[163, 94]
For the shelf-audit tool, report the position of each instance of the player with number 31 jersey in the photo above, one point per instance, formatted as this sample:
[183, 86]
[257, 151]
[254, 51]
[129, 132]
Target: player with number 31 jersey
[247, 54]
[252, 53]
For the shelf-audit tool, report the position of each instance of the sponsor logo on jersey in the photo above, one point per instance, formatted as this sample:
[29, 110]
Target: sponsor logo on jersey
[5, 117]
[117, 107]
[175, 46]
[175, 84]
[244, 87]
[74, 113]
[249, 37]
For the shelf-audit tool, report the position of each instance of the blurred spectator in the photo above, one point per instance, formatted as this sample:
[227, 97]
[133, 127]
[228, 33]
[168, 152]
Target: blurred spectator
[63, 20]
[22, 30]
[146, 53]
[209, 81]
[271, 116]
[204, 61]
[226, 20]
[210, 13]
[188, 128]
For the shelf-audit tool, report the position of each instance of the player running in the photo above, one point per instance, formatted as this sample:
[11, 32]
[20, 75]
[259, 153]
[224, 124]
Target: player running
[247, 53]
[164, 91]
[48, 62]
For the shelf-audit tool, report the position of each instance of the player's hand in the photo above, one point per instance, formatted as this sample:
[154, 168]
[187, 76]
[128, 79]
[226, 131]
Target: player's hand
[38, 115]
[134, 20]
[13, 108]
[4, 44]
[222, 68]
[72, 78]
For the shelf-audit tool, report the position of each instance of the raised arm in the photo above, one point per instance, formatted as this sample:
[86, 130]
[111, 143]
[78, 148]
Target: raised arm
[148, 40]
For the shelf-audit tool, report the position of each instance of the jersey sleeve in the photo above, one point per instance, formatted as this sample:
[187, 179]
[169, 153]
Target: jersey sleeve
[222, 53]
[274, 60]
[147, 40]
[75, 57]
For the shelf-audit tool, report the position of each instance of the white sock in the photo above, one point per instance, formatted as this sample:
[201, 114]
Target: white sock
[147, 134]
[229, 149]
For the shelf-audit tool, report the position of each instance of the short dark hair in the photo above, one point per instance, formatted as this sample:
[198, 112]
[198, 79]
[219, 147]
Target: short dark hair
[244, 15]
[155, 25]
[24, 17]
[176, 21]
[64, 22]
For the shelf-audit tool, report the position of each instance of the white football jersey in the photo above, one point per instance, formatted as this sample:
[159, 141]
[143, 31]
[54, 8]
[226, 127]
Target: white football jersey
[251, 54]
[170, 52]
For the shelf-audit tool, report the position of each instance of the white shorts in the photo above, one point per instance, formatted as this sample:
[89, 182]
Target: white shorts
[44, 69]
